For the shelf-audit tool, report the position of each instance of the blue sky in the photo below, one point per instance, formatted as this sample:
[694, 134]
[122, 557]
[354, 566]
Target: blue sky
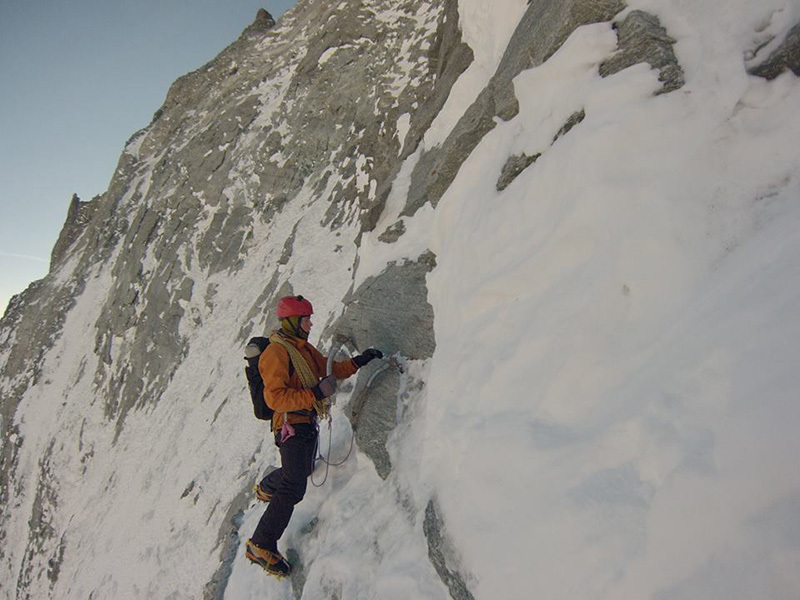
[77, 79]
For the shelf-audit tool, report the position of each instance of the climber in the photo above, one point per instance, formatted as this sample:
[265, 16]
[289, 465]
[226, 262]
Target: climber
[297, 388]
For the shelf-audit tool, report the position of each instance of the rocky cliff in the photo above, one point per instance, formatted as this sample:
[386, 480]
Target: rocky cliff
[280, 150]
[294, 162]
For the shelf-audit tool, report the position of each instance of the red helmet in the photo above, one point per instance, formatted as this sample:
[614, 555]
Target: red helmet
[294, 306]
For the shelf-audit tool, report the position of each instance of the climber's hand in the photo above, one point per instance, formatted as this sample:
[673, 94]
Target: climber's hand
[325, 388]
[368, 355]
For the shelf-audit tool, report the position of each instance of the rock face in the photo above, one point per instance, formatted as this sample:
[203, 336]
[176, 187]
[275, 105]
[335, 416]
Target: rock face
[219, 177]
[283, 149]
[643, 39]
[541, 31]
[376, 316]
[785, 57]
[401, 324]
[79, 215]
[514, 166]
[441, 554]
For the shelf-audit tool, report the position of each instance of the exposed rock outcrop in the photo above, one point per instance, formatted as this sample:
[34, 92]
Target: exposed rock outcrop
[79, 215]
[264, 22]
[542, 30]
[514, 166]
[376, 315]
[391, 312]
[785, 57]
[643, 39]
[442, 554]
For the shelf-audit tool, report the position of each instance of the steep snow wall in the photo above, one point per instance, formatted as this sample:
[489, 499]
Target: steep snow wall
[572, 223]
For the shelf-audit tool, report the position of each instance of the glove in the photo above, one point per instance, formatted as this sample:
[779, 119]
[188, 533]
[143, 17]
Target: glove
[367, 356]
[326, 387]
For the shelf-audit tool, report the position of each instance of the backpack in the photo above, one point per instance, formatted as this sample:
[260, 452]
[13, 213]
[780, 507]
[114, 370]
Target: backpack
[252, 353]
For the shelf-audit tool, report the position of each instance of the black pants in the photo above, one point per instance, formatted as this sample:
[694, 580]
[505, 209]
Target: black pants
[287, 485]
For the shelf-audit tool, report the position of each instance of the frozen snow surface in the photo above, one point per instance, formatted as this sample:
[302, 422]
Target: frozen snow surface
[613, 402]
[612, 408]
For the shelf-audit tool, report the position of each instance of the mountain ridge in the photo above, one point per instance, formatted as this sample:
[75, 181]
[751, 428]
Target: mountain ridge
[354, 152]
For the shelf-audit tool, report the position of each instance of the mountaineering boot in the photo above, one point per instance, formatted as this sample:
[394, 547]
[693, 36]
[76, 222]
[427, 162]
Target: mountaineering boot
[262, 494]
[272, 562]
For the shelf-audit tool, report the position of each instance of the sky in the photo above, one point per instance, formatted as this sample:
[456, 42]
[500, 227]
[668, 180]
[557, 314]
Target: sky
[77, 79]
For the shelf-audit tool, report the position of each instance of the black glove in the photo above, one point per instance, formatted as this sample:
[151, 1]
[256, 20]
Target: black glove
[367, 356]
[326, 387]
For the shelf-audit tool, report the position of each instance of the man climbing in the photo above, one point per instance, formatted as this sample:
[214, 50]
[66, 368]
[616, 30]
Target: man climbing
[297, 389]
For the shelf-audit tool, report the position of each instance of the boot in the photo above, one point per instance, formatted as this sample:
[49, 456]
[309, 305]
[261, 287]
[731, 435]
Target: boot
[272, 562]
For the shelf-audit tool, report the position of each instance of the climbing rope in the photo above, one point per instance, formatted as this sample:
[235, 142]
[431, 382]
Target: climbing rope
[298, 360]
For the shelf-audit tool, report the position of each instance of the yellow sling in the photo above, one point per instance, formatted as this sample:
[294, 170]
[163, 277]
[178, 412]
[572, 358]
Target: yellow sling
[303, 369]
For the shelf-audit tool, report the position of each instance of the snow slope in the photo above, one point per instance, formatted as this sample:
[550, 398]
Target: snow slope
[615, 385]
[611, 409]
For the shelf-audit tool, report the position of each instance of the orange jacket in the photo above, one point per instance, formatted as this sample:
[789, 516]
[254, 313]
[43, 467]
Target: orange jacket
[285, 393]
